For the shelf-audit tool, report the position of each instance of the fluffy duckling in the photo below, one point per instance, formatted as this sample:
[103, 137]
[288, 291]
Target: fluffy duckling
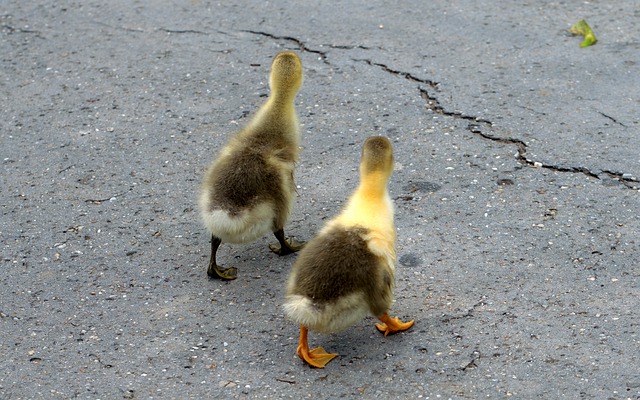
[347, 270]
[249, 189]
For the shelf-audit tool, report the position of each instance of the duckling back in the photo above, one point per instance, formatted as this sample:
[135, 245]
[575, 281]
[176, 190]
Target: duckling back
[347, 270]
[337, 280]
[249, 188]
[370, 205]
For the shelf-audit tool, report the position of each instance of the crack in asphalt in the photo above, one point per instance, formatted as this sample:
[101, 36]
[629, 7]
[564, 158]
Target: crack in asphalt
[406, 75]
[350, 47]
[446, 318]
[475, 123]
[10, 30]
[626, 179]
[183, 31]
[433, 104]
[615, 121]
[521, 156]
[298, 42]
[476, 355]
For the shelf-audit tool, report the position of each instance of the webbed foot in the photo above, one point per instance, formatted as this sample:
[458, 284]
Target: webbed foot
[286, 246]
[392, 325]
[317, 357]
[291, 246]
[216, 272]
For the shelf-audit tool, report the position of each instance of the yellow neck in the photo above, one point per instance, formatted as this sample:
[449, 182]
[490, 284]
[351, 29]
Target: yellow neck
[276, 116]
[370, 205]
[373, 186]
[282, 98]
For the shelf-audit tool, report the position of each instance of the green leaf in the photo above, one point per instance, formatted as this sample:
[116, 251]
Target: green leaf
[582, 28]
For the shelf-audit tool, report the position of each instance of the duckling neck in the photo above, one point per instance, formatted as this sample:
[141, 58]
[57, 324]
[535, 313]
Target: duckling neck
[370, 205]
[279, 115]
[281, 99]
[280, 109]
[373, 188]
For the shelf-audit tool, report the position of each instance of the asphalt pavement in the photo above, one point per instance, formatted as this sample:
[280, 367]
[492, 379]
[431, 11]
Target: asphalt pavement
[516, 190]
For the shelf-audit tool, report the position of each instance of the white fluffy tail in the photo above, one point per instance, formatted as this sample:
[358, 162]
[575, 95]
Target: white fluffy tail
[328, 317]
[250, 225]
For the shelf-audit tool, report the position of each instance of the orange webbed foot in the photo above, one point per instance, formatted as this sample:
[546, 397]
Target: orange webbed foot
[317, 357]
[392, 325]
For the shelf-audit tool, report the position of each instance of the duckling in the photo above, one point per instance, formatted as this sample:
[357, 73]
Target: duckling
[249, 189]
[347, 270]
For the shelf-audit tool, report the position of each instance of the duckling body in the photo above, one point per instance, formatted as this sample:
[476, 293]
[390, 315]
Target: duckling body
[249, 189]
[347, 271]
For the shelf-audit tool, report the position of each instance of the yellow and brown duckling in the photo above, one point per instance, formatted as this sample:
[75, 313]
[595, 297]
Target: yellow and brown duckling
[347, 270]
[249, 189]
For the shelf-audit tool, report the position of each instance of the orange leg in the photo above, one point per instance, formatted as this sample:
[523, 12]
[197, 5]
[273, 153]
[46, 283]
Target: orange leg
[392, 325]
[317, 357]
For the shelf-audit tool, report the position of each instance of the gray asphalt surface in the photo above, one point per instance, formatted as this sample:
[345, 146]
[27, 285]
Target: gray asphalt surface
[516, 192]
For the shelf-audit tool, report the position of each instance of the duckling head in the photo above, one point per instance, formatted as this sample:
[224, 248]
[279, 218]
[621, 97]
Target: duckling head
[377, 159]
[286, 75]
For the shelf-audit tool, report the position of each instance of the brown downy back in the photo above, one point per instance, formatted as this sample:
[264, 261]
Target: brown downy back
[243, 180]
[339, 263]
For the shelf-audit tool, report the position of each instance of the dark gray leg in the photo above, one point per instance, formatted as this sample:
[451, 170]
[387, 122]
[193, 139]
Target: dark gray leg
[214, 271]
[287, 246]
